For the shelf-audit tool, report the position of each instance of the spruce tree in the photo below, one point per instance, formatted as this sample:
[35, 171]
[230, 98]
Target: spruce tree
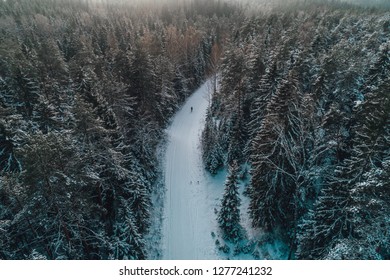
[356, 196]
[229, 214]
[8, 162]
[211, 148]
[277, 158]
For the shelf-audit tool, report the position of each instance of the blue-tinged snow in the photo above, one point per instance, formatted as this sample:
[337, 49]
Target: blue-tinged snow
[192, 198]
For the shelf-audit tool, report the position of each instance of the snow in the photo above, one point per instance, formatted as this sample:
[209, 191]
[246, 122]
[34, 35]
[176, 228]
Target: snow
[189, 221]
[191, 194]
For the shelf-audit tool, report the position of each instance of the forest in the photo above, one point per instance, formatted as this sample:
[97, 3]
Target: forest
[86, 89]
[301, 99]
[304, 99]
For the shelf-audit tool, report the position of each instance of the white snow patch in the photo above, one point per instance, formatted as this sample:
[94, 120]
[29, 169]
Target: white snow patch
[191, 195]
[192, 198]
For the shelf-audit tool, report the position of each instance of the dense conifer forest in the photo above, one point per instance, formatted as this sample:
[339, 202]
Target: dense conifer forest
[301, 98]
[86, 89]
[304, 99]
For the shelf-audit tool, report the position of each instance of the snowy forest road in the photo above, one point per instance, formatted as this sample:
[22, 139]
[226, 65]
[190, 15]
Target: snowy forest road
[189, 217]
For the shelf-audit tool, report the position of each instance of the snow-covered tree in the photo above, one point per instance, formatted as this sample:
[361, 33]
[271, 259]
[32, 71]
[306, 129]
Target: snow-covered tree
[229, 214]
[352, 199]
[211, 148]
[8, 161]
[276, 159]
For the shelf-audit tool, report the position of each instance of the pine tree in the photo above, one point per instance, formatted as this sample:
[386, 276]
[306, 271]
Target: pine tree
[127, 243]
[140, 203]
[380, 70]
[368, 211]
[351, 199]
[211, 149]
[8, 161]
[229, 214]
[214, 160]
[267, 87]
[142, 84]
[276, 159]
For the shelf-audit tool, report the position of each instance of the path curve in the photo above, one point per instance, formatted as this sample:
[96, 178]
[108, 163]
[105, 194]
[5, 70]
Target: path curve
[189, 208]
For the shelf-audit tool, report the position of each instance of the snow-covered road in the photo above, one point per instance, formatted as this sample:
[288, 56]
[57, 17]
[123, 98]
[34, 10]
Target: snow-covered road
[191, 195]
